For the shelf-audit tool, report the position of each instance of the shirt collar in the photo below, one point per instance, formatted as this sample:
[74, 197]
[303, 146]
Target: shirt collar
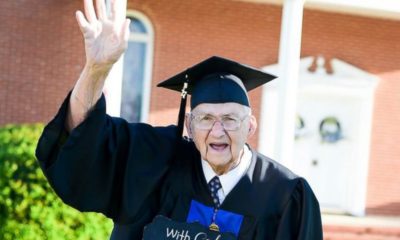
[230, 179]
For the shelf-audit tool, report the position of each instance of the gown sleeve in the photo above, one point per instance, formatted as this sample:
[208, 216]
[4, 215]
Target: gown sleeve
[301, 218]
[105, 164]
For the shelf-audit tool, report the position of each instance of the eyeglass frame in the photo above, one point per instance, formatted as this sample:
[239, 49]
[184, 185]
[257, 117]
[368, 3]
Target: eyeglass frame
[193, 116]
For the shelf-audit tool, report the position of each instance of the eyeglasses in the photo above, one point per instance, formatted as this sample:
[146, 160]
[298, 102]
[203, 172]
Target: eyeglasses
[207, 121]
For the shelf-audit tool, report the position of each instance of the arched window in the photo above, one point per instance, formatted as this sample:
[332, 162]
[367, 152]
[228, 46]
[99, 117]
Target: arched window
[136, 75]
[128, 87]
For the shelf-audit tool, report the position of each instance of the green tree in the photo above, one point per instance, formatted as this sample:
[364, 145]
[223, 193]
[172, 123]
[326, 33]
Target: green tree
[29, 208]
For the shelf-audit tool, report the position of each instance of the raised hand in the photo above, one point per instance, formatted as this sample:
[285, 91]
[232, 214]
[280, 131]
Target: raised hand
[106, 37]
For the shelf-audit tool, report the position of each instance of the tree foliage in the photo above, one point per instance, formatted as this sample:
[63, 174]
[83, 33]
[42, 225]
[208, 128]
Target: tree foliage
[29, 208]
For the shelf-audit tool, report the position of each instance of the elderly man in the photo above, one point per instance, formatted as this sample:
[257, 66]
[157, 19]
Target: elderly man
[135, 173]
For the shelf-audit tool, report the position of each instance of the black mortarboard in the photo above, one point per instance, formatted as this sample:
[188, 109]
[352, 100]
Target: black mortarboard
[213, 81]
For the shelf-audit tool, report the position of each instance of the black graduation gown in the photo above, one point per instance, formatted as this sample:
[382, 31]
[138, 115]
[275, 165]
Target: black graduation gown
[131, 173]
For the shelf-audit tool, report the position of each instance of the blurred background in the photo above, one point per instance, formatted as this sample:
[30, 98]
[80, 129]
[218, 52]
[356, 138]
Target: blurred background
[345, 111]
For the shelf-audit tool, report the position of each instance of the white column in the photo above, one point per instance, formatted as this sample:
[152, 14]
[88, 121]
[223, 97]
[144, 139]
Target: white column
[113, 88]
[289, 60]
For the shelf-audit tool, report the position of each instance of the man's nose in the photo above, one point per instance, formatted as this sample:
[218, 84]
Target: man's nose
[217, 129]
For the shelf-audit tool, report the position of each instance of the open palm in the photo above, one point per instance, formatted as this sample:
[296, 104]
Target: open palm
[106, 36]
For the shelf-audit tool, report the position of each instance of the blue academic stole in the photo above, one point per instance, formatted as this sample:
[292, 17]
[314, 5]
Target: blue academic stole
[226, 221]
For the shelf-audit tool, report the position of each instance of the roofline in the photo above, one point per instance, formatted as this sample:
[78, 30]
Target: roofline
[386, 9]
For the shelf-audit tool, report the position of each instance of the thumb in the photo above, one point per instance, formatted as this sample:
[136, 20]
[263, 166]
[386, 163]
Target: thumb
[82, 22]
[125, 31]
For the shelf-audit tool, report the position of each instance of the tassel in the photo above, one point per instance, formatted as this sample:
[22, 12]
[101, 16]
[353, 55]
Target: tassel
[182, 108]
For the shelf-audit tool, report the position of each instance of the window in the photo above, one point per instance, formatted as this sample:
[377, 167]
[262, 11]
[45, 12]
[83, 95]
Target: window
[128, 86]
[134, 70]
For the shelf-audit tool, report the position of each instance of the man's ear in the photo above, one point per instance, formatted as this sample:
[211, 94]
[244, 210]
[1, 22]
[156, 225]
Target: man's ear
[188, 124]
[252, 126]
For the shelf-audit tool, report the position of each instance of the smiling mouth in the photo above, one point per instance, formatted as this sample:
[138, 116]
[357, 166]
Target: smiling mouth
[218, 146]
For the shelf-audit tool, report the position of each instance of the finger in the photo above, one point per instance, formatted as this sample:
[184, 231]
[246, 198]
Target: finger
[82, 22]
[89, 11]
[125, 31]
[118, 10]
[101, 9]
[113, 9]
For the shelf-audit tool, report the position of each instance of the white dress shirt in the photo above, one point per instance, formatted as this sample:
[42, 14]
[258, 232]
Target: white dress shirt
[230, 179]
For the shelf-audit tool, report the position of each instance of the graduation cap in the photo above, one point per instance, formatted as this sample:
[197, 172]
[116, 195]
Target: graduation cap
[215, 80]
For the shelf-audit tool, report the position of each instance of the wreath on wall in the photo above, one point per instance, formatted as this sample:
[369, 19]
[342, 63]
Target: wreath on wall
[330, 130]
[299, 128]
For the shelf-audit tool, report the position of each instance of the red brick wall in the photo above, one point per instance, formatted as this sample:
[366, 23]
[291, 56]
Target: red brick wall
[384, 178]
[41, 55]
[40, 58]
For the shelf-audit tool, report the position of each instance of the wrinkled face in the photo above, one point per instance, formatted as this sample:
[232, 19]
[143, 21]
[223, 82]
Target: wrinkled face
[219, 147]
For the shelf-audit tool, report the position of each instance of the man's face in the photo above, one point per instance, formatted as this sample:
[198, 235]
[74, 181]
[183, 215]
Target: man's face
[221, 148]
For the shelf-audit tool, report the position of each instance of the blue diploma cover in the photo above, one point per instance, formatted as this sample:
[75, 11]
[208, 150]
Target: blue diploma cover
[197, 226]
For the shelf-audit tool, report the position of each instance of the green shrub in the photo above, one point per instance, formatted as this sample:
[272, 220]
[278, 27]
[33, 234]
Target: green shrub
[29, 209]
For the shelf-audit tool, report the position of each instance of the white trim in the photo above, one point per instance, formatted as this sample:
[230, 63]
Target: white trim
[139, 38]
[386, 9]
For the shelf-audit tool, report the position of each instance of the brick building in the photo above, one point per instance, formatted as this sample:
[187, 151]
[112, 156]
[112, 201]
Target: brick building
[41, 55]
